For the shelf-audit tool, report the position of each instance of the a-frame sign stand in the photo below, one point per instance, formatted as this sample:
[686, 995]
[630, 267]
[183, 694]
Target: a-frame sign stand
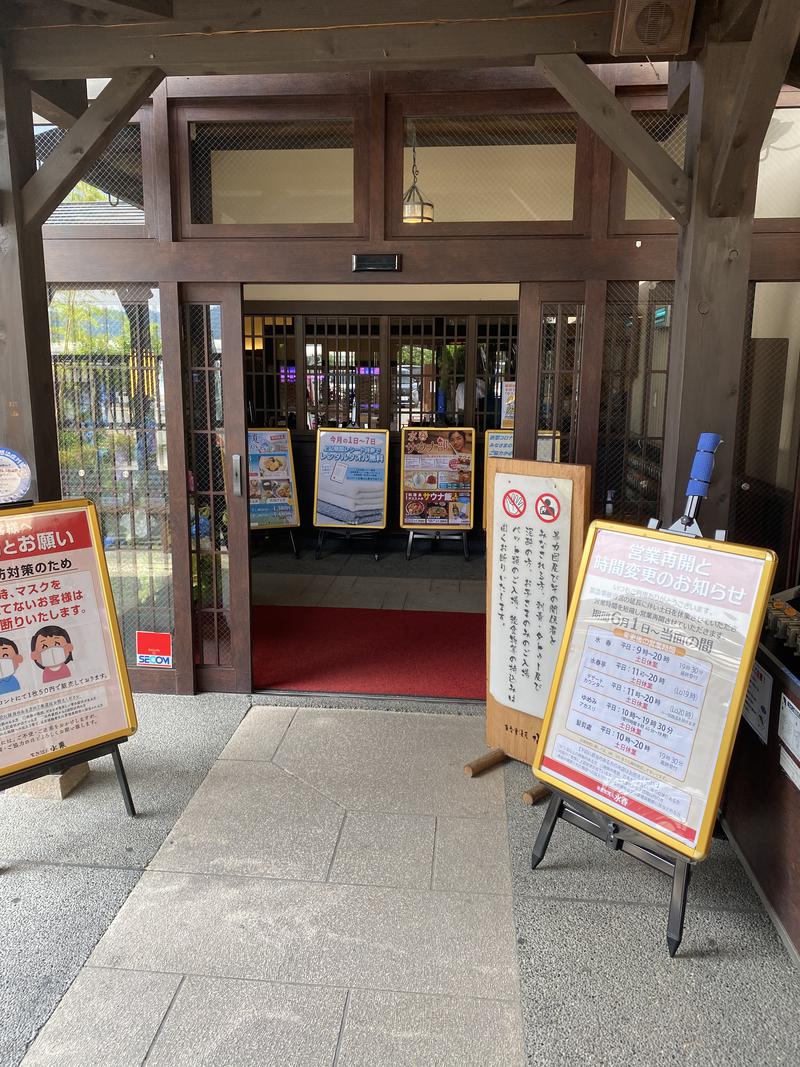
[622, 838]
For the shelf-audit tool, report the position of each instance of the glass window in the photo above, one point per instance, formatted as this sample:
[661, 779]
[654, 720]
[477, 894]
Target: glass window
[112, 193]
[670, 132]
[778, 193]
[109, 390]
[270, 370]
[559, 381]
[272, 172]
[428, 370]
[343, 366]
[632, 400]
[494, 168]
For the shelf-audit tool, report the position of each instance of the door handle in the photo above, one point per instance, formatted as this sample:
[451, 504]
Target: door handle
[236, 461]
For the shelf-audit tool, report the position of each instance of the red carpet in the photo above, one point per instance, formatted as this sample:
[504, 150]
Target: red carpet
[364, 650]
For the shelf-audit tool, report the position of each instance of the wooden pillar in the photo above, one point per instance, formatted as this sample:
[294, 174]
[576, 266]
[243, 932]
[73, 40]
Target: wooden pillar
[709, 312]
[27, 407]
[529, 340]
[594, 328]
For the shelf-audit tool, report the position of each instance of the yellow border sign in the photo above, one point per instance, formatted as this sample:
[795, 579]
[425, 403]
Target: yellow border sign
[351, 475]
[63, 685]
[272, 494]
[651, 677]
[437, 478]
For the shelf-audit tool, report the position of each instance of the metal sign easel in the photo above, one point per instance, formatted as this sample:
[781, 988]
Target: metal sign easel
[615, 835]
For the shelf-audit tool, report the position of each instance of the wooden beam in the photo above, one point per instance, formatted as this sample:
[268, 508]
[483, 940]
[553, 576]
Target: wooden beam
[87, 139]
[614, 124]
[680, 77]
[160, 9]
[285, 36]
[529, 343]
[759, 82]
[60, 102]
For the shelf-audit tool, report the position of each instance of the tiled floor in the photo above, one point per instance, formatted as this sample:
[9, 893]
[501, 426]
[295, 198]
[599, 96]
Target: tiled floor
[337, 892]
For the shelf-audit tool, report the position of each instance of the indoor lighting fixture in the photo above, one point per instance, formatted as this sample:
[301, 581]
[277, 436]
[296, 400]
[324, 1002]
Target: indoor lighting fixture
[415, 207]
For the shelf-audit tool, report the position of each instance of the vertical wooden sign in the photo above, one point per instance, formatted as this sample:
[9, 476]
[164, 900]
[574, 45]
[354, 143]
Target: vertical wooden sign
[537, 519]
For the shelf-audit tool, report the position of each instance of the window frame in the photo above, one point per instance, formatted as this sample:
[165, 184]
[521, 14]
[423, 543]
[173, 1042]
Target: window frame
[280, 109]
[400, 107]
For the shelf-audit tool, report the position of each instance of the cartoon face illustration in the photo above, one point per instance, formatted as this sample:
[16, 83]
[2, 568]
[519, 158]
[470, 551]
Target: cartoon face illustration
[51, 651]
[10, 660]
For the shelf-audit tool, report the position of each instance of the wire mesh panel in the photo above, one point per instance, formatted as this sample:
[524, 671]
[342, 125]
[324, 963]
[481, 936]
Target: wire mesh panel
[272, 172]
[270, 363]
[633, 391]
[343, 367]
[559, 381]
[111, 421]
[496, 339]
[428, 369]
[778, 191]
[112, 192]
[208, 515]
[768, 424]
[670, 132]
[494, 168]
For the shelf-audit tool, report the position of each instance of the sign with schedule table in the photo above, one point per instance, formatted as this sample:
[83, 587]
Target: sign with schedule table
[651, 678]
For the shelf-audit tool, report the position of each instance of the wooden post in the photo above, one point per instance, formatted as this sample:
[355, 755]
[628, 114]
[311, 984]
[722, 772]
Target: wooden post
[529, 339]
[27, 406]
[709, 311]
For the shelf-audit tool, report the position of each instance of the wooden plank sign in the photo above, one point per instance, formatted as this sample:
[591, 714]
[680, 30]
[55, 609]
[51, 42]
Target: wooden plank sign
[538, 514]
[651, 678]
[350, 479]
[437, 478]
[63, 681]
[273, 487]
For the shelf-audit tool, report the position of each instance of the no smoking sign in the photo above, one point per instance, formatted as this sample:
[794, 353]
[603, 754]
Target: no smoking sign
[514, 504]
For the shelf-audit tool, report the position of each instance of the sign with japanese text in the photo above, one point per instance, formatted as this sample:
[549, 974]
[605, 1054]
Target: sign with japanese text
[529, 593]
[63, 682]
[508, 405]
[351, 478]
[15, 476]
[497, 444]
[757, 702]
[270, 471]
[437, 473]
[651, 678]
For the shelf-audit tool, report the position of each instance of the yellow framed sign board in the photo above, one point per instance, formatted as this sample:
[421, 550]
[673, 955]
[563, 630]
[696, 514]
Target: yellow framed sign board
[437, 478]
[351, 478]
[538, 513]
[272, 484]
[651, 678]
[63, 681]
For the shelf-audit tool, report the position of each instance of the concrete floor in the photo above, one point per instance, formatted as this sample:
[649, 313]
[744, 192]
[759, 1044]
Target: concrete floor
[337, 893]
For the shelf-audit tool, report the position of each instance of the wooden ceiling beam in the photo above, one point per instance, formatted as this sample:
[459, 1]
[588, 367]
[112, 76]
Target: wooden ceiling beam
[296, 36]
[85, 141]
[160, 9]
[616, 126]
[764, 71]
[680, 78]
[60, 102]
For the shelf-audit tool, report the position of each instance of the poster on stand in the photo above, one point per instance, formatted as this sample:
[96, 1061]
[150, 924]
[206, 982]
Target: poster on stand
[508, 404]
[351, 478]
[437, 474]
[651, 678]
[63, 681]
[273, 488]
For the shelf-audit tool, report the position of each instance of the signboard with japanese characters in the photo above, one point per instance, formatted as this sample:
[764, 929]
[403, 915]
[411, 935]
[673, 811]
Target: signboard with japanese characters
[651, 678]
[497, 444]
[63, 682]
[437, 475]
[270, 471]
[537, 519]
[351, 478]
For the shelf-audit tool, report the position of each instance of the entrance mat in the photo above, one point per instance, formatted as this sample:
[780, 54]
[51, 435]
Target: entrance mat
[366, 650]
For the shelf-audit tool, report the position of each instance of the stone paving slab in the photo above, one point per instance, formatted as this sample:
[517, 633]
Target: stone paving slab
[379, 761]
[472, 856]
[108, 1018]
[259, 734]
[318, 934]
[392, 1029]
[388, 850]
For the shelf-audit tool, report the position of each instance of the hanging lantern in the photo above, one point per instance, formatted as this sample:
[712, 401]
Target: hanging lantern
[415, 207]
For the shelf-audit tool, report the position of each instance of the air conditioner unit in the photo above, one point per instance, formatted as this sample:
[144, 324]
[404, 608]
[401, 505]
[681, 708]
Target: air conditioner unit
[652, 27]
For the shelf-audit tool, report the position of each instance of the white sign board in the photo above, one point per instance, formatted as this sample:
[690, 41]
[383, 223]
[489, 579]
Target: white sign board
[789, 725]
[789, 767]
[757, 701]
[529, 595]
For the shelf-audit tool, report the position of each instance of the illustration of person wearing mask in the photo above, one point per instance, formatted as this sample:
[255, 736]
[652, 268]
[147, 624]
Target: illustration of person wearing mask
[10, 660]
[51, 651]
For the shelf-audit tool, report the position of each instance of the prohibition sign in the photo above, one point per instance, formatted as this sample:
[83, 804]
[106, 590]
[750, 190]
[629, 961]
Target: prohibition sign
[514, 504]
[547, 507]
